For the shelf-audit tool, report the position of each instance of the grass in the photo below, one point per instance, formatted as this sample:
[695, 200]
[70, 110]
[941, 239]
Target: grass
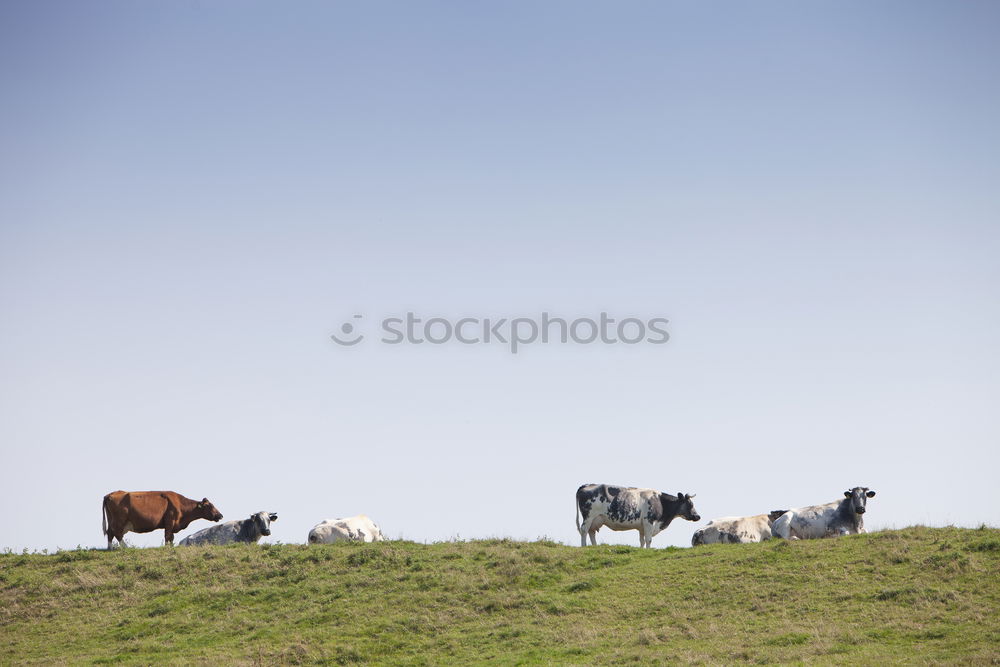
[919, 595]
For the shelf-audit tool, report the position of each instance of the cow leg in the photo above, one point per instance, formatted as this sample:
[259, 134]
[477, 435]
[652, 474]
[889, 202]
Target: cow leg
[588, 527]
[168, 533]
[171, 524]
[646, 532]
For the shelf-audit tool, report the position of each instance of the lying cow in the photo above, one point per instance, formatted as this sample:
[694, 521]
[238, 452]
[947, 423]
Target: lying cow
[354, 529]
[248, 531]
[146, 511]
[841, 517]
[627, 508]
[736, 529]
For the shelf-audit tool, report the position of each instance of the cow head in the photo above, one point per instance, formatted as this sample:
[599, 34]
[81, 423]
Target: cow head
[859, 496]
[687, 509]
[773, 515]
[206, 510]
[262, 521]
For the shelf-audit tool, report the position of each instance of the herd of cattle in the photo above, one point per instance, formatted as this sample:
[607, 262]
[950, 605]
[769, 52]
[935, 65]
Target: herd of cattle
[146, 511]
[616, 507]
[649, 512]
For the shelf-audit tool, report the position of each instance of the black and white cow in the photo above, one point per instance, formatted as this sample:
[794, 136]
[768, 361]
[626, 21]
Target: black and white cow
[737, 529]
[841, 517]
[628, 508]
[248, 530]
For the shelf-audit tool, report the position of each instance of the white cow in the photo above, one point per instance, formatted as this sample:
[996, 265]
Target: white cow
[247, 530]
[841, 517]
[353, 529]
[736, 529]
[628, 508]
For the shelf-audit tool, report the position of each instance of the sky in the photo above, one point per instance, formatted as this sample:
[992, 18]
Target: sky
[194, 196]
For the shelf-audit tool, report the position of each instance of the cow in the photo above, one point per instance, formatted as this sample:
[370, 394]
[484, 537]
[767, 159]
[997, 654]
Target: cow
[146, 511]
[353, 529]
[628, 508]
[736, 529]
[248, 531]
[841, 517]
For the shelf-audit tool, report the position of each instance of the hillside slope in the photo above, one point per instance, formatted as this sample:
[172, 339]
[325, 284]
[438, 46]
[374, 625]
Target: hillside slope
[913, 595]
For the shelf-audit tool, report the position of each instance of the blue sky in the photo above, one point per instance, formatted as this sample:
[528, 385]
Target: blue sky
[194, 196]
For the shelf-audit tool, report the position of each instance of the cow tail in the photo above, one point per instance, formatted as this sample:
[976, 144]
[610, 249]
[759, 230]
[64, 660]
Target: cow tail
[104, 516]
[576, 505]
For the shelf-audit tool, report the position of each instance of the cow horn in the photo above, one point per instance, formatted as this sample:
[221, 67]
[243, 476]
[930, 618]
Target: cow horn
[692, 495]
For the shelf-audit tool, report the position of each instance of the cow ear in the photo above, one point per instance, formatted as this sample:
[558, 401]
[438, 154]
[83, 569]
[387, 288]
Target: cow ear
[204, 501]
[272, 517]
[847, 494]
[692, 495]
[870, 494]
[680, 495]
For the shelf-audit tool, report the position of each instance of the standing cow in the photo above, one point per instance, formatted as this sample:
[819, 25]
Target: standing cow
[737, 529]
[354, 529]
[627, 508]
[247, 531]
[841, 517]
[146, 511]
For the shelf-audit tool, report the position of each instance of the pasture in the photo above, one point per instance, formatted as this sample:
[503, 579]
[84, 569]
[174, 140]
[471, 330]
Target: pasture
[917, 595]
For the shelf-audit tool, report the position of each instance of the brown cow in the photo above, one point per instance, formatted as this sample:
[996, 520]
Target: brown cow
[146, 511]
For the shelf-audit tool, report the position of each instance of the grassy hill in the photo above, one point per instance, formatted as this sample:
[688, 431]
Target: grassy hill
[921, 595]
